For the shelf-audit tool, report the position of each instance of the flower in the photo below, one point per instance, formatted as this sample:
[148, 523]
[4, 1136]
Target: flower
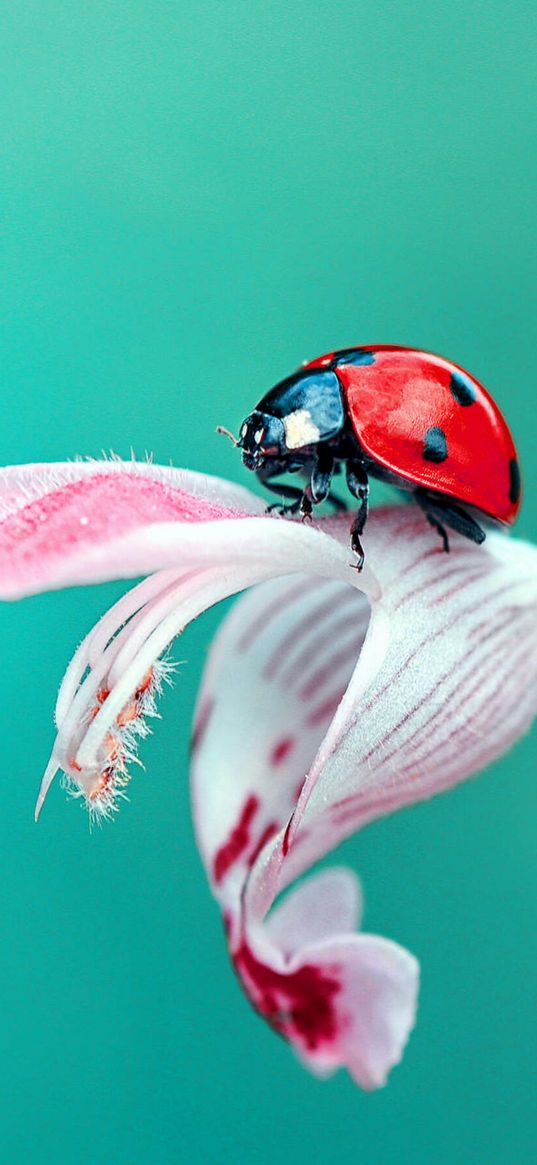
[330, 698]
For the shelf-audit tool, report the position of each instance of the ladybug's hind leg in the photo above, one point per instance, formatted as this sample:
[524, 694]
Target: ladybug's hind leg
[441, 512]
[358, 483]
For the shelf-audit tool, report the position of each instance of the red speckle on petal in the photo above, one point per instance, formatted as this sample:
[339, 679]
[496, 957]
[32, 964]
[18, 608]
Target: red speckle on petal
[237, 843]
[281, 750]
[298, 839]
[298, 1005]
[285, 842]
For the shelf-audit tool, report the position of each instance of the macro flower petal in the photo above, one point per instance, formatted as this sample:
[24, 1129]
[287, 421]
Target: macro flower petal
[203, 539]
[321, 710]
[330, 698]
[79, 522]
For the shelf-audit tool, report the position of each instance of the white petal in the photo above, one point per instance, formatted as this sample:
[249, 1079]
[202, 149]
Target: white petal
[327, 904]
[110, 686]
[445, 681]
[276, 673]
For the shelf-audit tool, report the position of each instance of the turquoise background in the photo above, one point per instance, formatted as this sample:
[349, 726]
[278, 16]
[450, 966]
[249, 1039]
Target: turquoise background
[195, 198]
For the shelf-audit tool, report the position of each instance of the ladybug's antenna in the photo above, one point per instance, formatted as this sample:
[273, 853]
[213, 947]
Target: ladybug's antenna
[226, 433]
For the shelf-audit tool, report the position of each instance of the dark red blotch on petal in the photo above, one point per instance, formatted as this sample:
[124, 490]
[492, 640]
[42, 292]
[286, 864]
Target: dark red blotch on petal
[299, 1004]
[238, 841]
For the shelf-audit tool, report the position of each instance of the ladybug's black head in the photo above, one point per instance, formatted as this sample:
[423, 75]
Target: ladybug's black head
[291, 419]
[262, 436]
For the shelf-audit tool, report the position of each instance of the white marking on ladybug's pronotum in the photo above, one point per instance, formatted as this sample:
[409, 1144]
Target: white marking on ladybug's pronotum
[258, 436]
[300, 430]
[244, 430]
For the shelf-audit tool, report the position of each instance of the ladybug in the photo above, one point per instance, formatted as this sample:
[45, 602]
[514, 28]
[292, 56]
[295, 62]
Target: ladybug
[405, 416]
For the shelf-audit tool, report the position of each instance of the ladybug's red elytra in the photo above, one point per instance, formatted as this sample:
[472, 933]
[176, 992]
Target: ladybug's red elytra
[408, 417]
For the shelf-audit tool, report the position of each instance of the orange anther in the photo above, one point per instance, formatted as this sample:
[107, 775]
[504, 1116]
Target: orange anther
[111, 747]
[104, 780]
[145, 684]
[129, 713]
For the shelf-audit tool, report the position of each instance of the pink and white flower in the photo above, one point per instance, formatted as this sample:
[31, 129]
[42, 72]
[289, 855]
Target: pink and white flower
[330, 698]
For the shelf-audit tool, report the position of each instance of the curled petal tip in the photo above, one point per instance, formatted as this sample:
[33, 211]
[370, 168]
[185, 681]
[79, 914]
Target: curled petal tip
[48, 777]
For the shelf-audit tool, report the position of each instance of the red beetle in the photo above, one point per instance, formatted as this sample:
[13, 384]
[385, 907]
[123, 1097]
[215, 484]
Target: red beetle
[407, 417]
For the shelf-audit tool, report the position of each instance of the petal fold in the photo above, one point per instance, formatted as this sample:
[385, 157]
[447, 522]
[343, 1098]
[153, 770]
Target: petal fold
[322, 709]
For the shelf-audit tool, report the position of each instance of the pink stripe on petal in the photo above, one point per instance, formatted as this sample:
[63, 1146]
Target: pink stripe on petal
[318, 643]
[89, 521]
[273, 610]
[342, 659]
[202, 721]
[302, 629]
[323, 712]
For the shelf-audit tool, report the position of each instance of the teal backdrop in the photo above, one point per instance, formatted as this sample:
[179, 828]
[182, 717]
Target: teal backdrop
[196, 196]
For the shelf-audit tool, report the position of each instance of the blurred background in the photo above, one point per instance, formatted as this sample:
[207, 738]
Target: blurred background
[196, 197]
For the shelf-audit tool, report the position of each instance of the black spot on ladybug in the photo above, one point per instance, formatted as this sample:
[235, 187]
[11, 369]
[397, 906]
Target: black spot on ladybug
[462, 389]
[435, 445]
[356, 356]
[514, 480]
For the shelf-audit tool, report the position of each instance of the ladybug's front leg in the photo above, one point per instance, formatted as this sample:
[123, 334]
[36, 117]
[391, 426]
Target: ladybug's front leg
[291, 492]
[318, 487]
[358, 483]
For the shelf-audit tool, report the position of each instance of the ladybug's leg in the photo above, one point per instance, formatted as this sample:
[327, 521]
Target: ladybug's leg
[285, 491]
[433, 521]
[358, 483]
[339, 504]
[318, 487]
[442, 512]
